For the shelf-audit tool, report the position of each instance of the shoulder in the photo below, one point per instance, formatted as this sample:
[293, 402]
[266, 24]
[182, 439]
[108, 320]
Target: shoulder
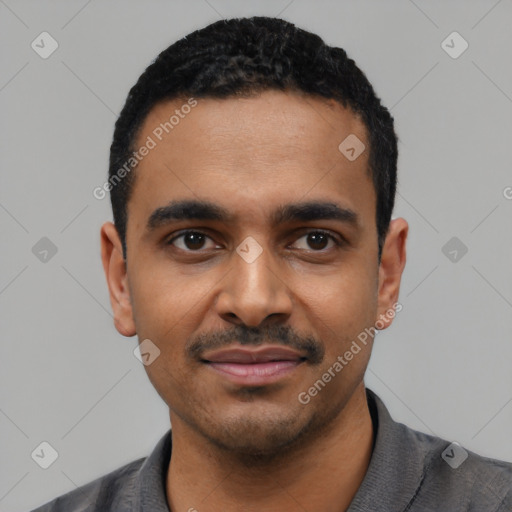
[425, 472]
[113, 491]
[461, 478]
[138, 485]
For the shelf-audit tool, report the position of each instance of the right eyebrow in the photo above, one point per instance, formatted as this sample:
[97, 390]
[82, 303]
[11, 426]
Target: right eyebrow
[187, 210]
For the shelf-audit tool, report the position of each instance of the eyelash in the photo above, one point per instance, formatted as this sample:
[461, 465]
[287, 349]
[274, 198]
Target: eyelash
[337, 242]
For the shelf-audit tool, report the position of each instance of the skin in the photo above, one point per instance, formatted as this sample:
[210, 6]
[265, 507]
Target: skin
[241, 447]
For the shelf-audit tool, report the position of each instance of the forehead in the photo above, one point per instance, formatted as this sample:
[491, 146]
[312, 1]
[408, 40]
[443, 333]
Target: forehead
[250, 152]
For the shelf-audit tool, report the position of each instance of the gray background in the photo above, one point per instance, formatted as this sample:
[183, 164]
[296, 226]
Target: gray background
[70, 379]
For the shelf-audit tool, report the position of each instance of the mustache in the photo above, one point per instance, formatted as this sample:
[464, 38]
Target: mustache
[255, 336]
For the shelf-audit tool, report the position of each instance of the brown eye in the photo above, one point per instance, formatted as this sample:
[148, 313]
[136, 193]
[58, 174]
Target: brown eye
[317, 240]
[190, 241]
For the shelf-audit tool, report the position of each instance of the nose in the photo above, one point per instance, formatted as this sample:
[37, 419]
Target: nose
[254, 291]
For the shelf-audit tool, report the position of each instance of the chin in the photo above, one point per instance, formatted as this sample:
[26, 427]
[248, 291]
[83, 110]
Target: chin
[257, 438]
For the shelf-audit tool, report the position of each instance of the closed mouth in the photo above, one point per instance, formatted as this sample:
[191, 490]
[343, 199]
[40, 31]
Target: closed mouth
[253, 367]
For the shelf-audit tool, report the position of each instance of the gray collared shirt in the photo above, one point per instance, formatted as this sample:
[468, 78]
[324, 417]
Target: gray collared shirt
[409, 471]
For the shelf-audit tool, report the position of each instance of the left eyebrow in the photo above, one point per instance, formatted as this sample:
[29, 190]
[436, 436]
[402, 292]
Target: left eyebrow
[205, 210]
[314, 210]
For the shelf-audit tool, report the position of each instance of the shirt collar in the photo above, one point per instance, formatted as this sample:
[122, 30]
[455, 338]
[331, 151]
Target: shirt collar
[150, 484]
[397, 464]
[393, 477]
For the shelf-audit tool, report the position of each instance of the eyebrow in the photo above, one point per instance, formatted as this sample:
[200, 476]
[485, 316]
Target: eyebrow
[205, 210]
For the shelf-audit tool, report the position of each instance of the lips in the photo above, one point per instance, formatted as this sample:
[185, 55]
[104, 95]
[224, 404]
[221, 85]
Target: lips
[250, 356]
[254, 367]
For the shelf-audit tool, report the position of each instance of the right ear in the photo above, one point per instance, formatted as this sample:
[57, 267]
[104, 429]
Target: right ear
[114, 266]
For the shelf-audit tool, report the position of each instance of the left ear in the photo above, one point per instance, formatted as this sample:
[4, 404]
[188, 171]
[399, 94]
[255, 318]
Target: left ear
[391, 266]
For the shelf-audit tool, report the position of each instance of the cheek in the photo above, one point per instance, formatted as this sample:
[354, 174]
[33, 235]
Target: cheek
[345, 302]
[155, 306]
[341, 309]
[165, 309]
[168, 307]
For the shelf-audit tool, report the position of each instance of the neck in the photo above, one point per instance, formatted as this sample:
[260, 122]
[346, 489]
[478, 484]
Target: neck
[322, 474]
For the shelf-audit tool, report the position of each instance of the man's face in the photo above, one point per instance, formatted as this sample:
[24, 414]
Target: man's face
[312, 289]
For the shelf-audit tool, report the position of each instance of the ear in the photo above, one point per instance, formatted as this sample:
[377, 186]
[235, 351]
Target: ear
[391, 266]
[114, 266]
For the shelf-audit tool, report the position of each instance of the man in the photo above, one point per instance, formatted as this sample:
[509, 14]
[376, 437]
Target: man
[252, 179]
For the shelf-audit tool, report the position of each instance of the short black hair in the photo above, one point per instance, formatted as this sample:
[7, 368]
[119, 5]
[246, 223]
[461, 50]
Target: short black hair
[244, 56]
